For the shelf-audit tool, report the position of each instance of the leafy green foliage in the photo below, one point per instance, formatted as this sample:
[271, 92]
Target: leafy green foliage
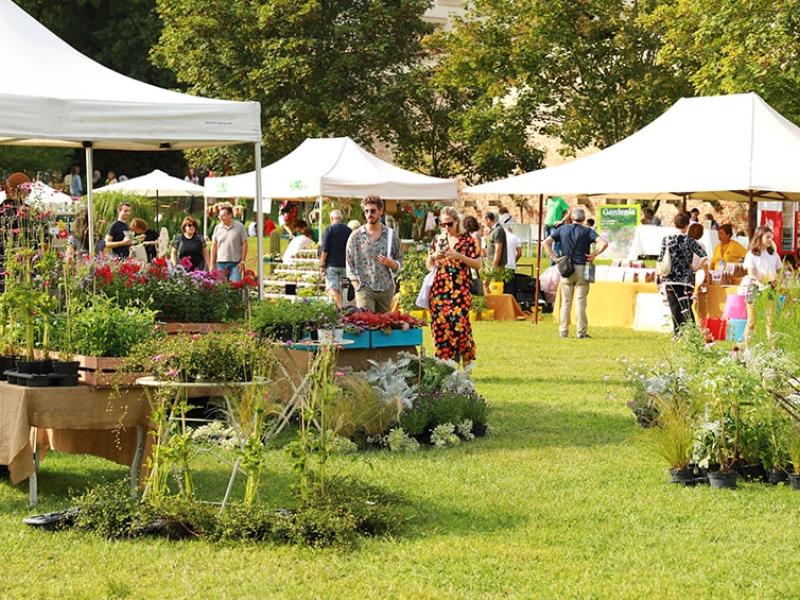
[586, 72]
[316, 68]
[735, 47]
[105, 329]
[286, 320]
[233, 356]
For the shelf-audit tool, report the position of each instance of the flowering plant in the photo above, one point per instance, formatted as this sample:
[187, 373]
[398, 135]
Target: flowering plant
[368, 320]
[175, 293]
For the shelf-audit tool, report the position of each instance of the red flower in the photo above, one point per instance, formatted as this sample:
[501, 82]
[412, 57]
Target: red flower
[104, 275]
[129, 268]
[248, 280]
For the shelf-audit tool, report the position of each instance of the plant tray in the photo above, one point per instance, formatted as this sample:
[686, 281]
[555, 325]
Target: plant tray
[35, 380]
[360, 340]
[397, 337]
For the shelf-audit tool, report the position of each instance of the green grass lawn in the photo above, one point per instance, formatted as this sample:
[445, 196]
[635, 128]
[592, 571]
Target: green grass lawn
[561, 500]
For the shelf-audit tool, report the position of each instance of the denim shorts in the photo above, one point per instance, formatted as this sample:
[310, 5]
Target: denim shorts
[333, 277]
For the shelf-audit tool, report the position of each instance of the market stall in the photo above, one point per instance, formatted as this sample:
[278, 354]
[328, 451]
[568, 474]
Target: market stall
[718, 148]
[647, 240]
[333, 168]
[55, 96]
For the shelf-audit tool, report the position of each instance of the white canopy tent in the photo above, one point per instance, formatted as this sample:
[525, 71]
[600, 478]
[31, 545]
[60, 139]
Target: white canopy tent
[154, 185]
[711, 148]
[733, 147]
[55, 96]
[333, 167]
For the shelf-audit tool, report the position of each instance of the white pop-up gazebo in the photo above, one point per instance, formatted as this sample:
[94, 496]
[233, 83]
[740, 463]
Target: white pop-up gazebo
[154, 185]
[733, 147]
[336, 168]
[52, 95]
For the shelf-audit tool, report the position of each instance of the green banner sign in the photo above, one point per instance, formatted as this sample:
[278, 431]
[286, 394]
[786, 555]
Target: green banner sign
[617, 224]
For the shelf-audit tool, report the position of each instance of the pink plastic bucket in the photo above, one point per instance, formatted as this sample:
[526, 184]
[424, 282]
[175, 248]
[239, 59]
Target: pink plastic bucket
[736, 307]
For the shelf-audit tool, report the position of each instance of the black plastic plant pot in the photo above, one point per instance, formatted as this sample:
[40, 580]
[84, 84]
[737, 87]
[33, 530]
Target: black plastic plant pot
[290, 289]
[752, 471]
[683, 476]
[479, 429]
[7, 362]
[723, 481]
[46, 366]
[794, 480]
[27, 367]
[777, 476]
[66, 368]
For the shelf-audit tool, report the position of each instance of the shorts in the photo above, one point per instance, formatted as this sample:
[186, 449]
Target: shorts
[333, 277]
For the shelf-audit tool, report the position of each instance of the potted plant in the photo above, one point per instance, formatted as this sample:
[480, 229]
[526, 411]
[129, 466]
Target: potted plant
[793, 448]
[672, 438]
[730, 388]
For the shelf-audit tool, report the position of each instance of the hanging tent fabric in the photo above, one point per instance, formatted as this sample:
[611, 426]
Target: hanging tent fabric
[734, 147]
[334, 167]
[53, 95]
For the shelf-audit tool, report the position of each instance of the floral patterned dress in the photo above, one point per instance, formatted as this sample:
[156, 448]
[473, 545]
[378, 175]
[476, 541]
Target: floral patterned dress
[450, 301]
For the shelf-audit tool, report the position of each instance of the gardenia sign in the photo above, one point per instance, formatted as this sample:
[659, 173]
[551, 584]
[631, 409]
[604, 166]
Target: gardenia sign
[617, 224]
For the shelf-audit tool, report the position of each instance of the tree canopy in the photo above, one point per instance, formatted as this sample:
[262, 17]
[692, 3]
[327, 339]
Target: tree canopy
[318, 67]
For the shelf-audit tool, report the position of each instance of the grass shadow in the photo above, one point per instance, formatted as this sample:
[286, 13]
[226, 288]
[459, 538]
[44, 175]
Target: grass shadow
[432, 518]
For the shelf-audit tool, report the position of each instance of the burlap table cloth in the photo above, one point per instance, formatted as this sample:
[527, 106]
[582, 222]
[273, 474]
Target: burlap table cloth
[505, 306]
[77, 420]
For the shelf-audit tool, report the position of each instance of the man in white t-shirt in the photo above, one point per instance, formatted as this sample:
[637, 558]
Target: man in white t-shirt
[514, 248]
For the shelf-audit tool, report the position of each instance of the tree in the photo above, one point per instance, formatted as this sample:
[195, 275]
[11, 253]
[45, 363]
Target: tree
[445, 131]
[726, 47]
[318, 67]
[585, 71]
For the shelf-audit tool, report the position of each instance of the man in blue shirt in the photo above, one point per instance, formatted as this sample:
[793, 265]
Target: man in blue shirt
[332, 255]
[576, 241]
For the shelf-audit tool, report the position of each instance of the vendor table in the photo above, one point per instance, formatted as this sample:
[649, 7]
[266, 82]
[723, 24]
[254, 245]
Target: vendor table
[647, 240]
[76, 420]
[613, 304]
[505, 306]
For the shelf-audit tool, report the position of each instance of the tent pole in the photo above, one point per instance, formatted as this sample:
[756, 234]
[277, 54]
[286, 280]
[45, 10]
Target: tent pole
[259, 224]
[89, 204]
[537, 291]
[205, 216]
[752, 215]
[156, 215]
[319, 230]
[683, 206]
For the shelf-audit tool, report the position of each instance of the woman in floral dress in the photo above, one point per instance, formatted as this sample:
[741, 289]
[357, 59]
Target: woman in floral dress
[454, 252]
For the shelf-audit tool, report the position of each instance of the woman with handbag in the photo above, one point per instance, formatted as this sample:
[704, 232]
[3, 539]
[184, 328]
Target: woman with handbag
[676, 264]
[453, 254]
[763, 266]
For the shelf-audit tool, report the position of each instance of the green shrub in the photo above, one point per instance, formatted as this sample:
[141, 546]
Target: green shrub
[107, 509]
[105, 329]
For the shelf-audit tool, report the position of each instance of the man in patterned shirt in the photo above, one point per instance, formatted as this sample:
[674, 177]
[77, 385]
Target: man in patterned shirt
[373, 258]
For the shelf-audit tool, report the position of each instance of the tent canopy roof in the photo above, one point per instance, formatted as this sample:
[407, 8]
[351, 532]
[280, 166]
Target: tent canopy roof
[713, 148]
[333, 167]
[156, 183]
[52, 95]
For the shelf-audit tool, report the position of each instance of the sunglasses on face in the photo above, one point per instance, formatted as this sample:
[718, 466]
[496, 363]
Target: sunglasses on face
[446, 223]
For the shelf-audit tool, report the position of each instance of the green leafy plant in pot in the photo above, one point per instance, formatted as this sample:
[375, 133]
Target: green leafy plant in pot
[730, 388]
[672, 438]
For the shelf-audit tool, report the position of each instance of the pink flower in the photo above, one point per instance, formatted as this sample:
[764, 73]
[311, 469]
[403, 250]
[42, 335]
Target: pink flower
[158, 358]
[172, 373]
